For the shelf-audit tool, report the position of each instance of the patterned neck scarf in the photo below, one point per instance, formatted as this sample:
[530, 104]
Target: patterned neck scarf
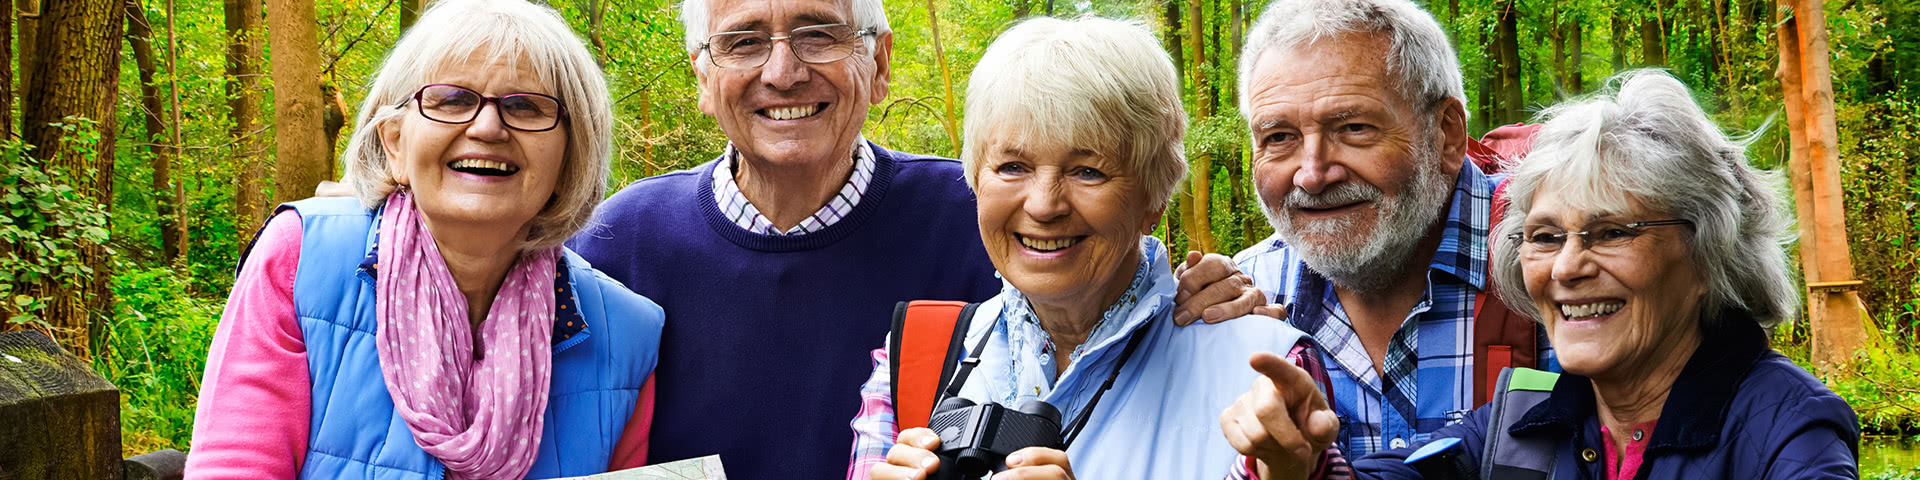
[479, 413]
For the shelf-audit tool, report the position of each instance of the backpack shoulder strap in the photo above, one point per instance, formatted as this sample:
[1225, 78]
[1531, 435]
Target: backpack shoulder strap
[1509, 457]
[1501, 338]
[921, 354]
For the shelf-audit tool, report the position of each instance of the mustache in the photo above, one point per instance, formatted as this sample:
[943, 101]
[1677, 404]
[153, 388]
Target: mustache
[1338, 194]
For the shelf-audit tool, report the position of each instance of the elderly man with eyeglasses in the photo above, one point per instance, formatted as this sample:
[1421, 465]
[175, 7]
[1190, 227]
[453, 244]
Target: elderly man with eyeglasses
[779, 263]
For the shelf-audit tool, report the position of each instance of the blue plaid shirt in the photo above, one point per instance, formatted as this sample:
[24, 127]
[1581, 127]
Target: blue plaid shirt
[1428, 381]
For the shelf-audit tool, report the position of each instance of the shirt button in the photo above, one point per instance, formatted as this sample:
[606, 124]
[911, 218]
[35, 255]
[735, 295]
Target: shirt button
[1589, 455]
[1638, 434]
[1397, 443]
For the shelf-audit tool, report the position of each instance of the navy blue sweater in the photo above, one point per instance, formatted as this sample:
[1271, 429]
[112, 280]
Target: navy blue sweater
[767, 338]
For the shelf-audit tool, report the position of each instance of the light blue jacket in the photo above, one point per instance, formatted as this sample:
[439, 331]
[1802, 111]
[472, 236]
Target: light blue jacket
[1161, 420]
[597, 374]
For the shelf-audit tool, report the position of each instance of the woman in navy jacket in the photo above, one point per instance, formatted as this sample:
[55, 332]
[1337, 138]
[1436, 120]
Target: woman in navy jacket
[1637, 234]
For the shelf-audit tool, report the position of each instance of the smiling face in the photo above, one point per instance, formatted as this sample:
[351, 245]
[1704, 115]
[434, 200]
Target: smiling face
[790, 112]
[1619, 311]
[479, 173]
[1062, 224]
[1350, 175]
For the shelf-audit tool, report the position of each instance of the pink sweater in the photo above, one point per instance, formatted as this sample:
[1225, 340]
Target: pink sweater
[254, 407]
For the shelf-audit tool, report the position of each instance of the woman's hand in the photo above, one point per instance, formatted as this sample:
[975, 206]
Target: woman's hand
[911, 456]
[1283, 421]
[1033, 463]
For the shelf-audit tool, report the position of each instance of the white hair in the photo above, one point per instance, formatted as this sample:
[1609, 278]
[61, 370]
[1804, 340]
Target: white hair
[1094, 83]
[1646, 140]
[695, 14]
[1422, 66]
[452, 33]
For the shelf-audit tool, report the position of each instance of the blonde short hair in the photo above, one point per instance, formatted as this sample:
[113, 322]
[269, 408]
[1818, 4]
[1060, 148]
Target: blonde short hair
[451, 33]
[1094, 83]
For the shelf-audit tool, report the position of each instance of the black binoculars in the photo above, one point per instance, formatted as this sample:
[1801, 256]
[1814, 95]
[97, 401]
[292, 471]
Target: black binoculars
[976, 438]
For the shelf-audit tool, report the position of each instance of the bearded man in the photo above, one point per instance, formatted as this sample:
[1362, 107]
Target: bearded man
[1380, 223]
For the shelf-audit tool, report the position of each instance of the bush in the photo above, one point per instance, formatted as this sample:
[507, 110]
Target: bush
[44, 223]
[157, 347]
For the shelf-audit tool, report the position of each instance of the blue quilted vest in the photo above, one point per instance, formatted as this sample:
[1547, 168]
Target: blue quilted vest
[355, 433]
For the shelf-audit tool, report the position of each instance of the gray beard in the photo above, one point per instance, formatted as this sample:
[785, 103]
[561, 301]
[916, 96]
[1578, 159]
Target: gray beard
[1372, 262]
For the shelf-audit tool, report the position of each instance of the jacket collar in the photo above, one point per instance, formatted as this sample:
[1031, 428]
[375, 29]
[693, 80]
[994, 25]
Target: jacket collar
[1696, 408]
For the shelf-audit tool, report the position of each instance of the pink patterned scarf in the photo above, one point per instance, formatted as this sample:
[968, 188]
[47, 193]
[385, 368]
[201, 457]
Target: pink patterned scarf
[480, 416]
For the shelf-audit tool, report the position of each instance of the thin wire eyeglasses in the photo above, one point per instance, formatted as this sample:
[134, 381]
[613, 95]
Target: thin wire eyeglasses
[526, 112]
[1605, 237]
[811, 44]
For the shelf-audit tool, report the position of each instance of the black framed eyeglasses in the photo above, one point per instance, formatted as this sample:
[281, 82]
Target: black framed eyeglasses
[1603, 238]
[527, 112]
[812, 44]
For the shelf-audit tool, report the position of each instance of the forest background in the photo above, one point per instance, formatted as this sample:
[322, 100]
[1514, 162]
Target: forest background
[165, 130]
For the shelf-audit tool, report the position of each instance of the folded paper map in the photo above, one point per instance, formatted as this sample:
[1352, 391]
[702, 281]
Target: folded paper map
[703, 468]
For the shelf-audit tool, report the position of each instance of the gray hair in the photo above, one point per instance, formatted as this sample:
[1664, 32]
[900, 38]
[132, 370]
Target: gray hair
[1646, 140]
[694, 16]
[1100, 84]
[1421, 64]
[453, 32]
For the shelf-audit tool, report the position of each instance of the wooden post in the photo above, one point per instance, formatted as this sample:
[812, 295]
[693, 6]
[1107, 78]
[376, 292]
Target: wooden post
[1836, 317]
[58, 419]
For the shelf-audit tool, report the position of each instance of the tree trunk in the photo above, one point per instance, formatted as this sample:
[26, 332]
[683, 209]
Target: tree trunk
[1483, 117]
[82, 81]
[299, 164]
[1238, 33]
[6, 77]
[952, 119]
[1619, 40]
[1172, 40]
[1653, 45]
[174, 139]
[409, 12]
[1200, 225]
[25, 30]
[334, 118]
[244, 49]
[1838, 318]
[1576, 80]
[140, 37]
[1512, 96]
[596, 21]
[1558, 38]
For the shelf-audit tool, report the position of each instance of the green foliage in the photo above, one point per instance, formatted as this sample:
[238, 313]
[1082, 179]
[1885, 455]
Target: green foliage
[45, 222]
[167, 308]
[1881, 178]
[158, 340]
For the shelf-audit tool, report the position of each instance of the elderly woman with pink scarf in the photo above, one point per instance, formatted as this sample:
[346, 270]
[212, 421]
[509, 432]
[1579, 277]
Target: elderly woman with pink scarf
[434, 327]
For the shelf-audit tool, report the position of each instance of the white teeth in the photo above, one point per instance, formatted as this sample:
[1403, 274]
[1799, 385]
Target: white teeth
[1048, 245]
[479, 163]
[790, 113]
[1590, 309]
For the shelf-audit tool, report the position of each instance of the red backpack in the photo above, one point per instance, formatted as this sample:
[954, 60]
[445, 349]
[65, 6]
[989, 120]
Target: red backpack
[1501, 338]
